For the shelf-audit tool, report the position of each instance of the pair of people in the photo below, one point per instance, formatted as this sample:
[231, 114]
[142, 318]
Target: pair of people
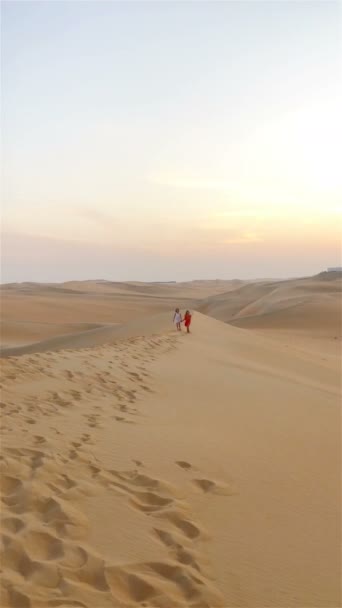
[177, 319]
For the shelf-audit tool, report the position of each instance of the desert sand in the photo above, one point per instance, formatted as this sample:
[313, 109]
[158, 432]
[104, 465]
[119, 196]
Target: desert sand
[146, 467]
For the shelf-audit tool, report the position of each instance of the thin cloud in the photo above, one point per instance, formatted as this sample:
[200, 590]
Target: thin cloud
[246, 238]
[220, 235]
[96, 216]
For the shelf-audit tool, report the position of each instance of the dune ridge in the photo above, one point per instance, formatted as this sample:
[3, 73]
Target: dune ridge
[258, 299]
[76, 307]
[35, 312]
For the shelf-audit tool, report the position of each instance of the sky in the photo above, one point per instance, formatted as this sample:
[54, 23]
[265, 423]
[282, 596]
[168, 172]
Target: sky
[170, 140]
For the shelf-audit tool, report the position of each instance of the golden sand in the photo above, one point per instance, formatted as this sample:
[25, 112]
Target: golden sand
[146, 467]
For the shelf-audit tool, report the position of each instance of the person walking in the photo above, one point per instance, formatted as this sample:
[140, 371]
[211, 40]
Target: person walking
[177, 319]
[187, 321]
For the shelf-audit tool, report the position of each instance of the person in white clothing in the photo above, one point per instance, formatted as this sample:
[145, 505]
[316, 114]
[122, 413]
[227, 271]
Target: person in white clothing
[177, 319]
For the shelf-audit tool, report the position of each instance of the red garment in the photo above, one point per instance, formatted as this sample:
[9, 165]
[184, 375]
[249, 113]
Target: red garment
[187, 320]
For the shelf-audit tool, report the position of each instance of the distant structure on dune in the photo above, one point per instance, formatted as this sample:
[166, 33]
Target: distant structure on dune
[331, 274]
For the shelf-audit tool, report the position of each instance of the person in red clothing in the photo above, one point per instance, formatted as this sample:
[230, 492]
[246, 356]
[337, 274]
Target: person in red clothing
[187, 321]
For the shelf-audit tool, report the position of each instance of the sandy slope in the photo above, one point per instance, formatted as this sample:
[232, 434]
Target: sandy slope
[32, 312]
[170, 470]
[263, 298]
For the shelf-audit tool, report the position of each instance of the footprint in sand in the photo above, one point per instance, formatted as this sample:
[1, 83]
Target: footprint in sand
[213, 487]
[134, 375]
[122, 419]
[39, 439]
[86, 439]
[138, 463]
[189, 528]
[76, 395]
[184, 465]
[13, 524]
[146, 388]
[174, 543]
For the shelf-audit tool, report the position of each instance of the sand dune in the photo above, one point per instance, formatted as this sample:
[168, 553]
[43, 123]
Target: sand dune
[142, 467]
[100, 335]
[321, 313]
[33, 312]
[86, 311]
[304, 313]
[264, 297]
[24, 333]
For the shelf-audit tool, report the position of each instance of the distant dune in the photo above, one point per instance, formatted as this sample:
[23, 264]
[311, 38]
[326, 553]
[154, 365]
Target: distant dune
[100, 335]
[88, 312]
[141, 466]
[35, 312]
[294, 303]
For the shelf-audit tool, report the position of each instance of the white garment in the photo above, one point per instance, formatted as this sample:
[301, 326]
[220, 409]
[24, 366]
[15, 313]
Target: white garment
[177, 318]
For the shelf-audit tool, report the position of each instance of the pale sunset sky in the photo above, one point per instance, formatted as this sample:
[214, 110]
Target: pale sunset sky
[170, 140]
